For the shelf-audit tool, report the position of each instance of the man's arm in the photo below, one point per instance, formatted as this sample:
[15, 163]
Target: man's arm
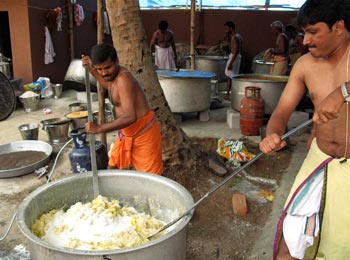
[153, 41]
[173, 46]
[289, 99]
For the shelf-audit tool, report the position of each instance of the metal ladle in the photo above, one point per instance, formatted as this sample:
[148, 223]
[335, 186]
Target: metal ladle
[92, 140]
[226, 180]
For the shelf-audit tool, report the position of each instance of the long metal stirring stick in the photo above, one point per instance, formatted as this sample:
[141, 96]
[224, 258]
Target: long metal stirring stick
[92, 140]
[227, 179]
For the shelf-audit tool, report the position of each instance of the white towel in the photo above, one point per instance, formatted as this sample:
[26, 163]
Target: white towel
[302, 223]
[49, 50]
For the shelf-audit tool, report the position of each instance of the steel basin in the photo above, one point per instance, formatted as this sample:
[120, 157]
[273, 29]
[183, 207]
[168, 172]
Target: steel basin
[214, 64]
[27, 145]
[186, 90]
[262, 67]
[162, 197]
[271, 86]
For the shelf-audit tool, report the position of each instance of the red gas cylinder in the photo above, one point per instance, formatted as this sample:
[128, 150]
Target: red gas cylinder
[251, 111]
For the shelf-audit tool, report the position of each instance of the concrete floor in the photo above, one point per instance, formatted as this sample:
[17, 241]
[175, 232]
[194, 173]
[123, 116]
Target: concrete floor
[14, 190]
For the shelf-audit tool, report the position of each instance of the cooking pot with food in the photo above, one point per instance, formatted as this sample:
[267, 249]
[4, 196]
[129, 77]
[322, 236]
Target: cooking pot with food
[155, 195]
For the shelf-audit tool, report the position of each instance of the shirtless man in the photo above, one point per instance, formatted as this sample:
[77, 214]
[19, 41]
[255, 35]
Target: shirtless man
[139, 140]
[164, 44]
[280, 51]
[317, 203]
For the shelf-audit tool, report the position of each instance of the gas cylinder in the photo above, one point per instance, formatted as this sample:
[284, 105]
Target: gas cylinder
[79, 155]
[251, 111]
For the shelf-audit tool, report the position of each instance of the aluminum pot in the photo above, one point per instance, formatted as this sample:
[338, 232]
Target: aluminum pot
[162, 197]
[5, 68]
[186, 90]
[56, 129]
[214, 64]
[262, 67]
[271, 86]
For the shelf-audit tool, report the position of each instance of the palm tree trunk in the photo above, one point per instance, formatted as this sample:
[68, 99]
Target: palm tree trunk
[130, 40]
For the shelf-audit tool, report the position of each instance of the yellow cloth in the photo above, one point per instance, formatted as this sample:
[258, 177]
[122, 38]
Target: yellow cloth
[139, 145]
[335, 242]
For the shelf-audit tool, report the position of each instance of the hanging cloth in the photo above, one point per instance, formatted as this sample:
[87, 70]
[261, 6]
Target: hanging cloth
[79, 15]
[49, 50]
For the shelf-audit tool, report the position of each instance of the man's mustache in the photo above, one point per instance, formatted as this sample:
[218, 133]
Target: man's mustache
[106, 76]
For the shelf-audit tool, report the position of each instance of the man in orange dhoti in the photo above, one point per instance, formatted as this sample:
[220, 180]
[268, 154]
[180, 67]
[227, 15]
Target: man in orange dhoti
[139, 140]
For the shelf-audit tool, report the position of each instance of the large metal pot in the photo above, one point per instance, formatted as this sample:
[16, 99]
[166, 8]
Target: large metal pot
[262, 67]
[214, 64]
[271, 89]
[186, 90]
[162, 197]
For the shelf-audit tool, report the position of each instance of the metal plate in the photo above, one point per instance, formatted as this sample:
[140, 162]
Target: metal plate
[20, 146]
[7, 97]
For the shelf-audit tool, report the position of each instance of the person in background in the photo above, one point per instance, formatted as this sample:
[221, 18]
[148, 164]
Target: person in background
[138, 143]
[163, 44]
[223, 47]
[296, 46]
[314, 223]
[280, 51]
[234, 60]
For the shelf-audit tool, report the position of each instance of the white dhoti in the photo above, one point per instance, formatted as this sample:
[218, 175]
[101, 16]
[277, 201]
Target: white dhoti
[235, 65]
[164, 58]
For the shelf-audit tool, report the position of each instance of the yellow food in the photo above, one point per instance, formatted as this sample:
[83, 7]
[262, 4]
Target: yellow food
[77, 114]
[97, 225]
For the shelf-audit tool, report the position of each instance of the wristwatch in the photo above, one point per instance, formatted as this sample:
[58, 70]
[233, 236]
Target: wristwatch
[345, 93]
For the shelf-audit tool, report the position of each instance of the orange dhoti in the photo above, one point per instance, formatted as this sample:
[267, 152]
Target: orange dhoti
[139, 145]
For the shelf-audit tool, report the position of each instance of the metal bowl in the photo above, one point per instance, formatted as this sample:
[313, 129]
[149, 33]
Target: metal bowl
[20, 146]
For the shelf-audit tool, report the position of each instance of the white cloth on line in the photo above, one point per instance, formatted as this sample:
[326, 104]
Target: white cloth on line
[49, 50]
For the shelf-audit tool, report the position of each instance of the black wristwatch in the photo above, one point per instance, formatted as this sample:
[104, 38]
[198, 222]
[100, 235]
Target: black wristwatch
[345, 93]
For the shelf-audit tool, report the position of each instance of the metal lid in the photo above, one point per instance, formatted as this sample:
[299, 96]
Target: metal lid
[7, 97]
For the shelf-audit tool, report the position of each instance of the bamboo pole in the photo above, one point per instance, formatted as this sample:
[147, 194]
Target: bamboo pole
[100, 90]
[70, 29]
[192, 53]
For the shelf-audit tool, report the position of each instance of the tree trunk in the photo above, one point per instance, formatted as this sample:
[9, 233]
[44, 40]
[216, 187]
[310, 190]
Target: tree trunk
[130, 40]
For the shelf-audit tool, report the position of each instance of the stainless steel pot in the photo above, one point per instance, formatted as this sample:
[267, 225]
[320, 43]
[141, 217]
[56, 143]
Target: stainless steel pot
[186, 90]
[271, 86]
[57, 129]
[214, 64]
[5, 68]
[162, 197]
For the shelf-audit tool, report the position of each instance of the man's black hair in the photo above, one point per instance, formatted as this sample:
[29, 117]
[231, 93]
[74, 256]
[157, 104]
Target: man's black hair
[327, 11]
[101, 52]
[163, 25]
[231, 25]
